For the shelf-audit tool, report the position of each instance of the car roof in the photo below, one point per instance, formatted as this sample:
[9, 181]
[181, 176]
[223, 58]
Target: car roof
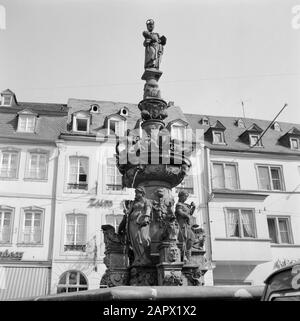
[285, 268]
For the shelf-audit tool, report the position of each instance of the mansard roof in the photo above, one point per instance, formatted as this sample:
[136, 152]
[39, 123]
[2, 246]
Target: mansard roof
[271, 139]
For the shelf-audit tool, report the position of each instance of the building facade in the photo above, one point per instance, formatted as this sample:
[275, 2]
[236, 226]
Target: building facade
[253, 189]
[59, 183]
[28, 166]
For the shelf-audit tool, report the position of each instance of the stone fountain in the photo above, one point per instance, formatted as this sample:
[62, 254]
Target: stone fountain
[158, 242]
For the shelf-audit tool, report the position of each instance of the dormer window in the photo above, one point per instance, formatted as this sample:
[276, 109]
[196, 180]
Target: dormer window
[218, 137]
[116, 125]
[26, 121]
[95, 108]
[81, 122]
[6, 100]
[240, 123]
[276, 127]
[205, 121]
[124, 111]
[254, 140]
[295, 143]
[178, 129]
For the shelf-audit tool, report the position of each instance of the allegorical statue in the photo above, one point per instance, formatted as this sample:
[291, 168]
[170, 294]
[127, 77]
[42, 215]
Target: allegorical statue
[137, 221]
[184, 212]
[153, 44]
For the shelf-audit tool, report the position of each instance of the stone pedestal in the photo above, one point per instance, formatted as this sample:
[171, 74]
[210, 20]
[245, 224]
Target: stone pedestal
[170, 274]
[151, 73]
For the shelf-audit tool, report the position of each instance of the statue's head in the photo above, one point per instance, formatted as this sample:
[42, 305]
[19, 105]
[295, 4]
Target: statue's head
[139, 193]
[150, 25]
[183, 195]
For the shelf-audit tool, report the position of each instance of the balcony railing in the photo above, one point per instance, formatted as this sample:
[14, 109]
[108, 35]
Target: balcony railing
[75, 247]
[82, 186]
[114, 187]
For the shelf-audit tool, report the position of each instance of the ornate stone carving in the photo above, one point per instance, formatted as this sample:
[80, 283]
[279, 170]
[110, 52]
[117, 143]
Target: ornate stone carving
[143, 276]
[172, 279]
[194, 277]
[173, 254]
[114, 278]
[163, 207]
[153, 44]
[112, 240]
[199, 237]
[151, 89]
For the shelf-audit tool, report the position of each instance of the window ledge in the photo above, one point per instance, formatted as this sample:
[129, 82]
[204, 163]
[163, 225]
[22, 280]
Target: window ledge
[9, 179]
[237, 239]
[285, 245]
[29, 245]
[5, 244]
[43, 180]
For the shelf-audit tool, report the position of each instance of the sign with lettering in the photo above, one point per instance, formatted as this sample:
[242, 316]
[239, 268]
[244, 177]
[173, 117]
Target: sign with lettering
[15, 256]
[93, 202]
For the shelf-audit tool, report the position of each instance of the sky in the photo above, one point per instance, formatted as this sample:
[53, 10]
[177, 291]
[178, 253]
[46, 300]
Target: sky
[218, 53]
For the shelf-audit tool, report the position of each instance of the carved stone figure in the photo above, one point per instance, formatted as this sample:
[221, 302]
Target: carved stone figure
[151, 89]
[112, 240]
[173, 254]
[138, 216]
[153, 44]
[172, 279]
[183, 213]
[199, 237]
[163, 208]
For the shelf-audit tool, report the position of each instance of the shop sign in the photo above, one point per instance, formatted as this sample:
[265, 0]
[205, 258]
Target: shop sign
[15, 256]
[94, 202]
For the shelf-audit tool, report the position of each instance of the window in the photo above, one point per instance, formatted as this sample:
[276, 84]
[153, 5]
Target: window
[78, 173]
[31, 230]
[72, 281]
[240, 223]
[240, 123]
[270, 178]
[225, 175]
[280, 230]
[6, 100]
[218, 137]
[95, 108]
[26, 123]
[37, 166]
[116, 126]
[114, 178]
[9, 164]
[294, 143]
[75, 236]
[5, 224]
[205, 121]
[81, 125]
[114, 220]
[187, 184]
[254, 140]
[276, 127]
[178, 132]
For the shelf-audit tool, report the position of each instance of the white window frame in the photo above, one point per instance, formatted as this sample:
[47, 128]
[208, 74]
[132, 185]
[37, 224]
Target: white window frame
[205, 121]
[259, 144]
[224, 165]
[34, 210]
[241, 123]
[276, 127]
[3, 100]
[214, 132]
[270, 177]
[11, 211]
[81, 245]
[289, 227]
[69, 188]
[240, 224]
[26, 118]
[298, 143]
[10, 151]
[116, 171]
[75, 125]
[28, 164]
[182, 131]
[67, 285]
[121, 128]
